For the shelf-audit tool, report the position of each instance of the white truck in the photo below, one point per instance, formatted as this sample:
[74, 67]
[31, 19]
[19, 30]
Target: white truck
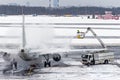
[98, 57]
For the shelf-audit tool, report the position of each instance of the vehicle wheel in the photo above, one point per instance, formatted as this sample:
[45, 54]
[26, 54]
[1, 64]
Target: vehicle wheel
[47, 64]
[88, 64]
[106, 62]
[92, 62]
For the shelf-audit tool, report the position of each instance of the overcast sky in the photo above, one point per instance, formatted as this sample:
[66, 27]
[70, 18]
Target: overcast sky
[102, 3]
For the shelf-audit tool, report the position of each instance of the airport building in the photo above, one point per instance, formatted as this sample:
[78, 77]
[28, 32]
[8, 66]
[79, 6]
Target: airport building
[108, 15]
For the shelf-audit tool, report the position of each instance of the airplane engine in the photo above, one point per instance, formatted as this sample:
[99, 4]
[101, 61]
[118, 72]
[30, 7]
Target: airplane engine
[56, 57]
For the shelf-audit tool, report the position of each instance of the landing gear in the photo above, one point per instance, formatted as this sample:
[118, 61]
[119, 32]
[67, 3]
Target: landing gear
[47, 63]
[106, 62]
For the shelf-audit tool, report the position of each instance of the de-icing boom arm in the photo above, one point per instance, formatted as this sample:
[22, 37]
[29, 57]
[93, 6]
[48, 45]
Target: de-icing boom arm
[94, 34]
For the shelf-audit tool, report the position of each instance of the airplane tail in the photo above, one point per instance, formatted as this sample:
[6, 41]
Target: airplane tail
[23, 33]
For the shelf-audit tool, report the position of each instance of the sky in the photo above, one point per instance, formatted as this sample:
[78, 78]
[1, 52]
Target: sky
[62, 3]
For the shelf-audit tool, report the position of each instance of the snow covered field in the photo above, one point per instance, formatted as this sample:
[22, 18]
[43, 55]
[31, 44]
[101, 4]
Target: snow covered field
[76, 71]
[108, 30]
[11, 27]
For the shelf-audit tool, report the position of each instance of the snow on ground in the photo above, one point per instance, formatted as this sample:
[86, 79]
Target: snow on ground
[76, 71]
[98, 72]
[117, 61]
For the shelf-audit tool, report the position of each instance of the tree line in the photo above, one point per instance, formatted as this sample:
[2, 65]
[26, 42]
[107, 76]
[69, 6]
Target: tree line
[86, 10]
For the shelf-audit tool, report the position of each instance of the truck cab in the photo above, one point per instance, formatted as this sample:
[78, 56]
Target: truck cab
[87, 59]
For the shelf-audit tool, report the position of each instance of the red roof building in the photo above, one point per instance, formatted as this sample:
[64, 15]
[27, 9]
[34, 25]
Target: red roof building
[108, 15]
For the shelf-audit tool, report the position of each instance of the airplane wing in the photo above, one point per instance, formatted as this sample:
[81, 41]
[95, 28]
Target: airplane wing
[60, 51]
[51, 53]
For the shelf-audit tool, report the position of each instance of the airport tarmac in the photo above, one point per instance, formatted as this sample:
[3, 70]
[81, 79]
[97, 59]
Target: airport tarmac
[72, 69]
[76, 71]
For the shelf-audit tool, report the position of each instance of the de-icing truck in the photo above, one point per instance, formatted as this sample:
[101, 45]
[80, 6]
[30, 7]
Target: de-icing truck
[96, 57]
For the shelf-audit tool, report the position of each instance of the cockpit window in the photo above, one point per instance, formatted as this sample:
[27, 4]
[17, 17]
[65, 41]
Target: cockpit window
[84, 56]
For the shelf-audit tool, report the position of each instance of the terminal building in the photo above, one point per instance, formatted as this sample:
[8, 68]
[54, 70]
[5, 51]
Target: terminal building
[108, 15]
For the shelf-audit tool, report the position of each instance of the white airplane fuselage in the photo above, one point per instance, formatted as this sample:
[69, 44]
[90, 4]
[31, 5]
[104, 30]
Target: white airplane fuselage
[25, 62]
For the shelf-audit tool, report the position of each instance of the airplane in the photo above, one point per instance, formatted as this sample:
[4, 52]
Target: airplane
[27, 60]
